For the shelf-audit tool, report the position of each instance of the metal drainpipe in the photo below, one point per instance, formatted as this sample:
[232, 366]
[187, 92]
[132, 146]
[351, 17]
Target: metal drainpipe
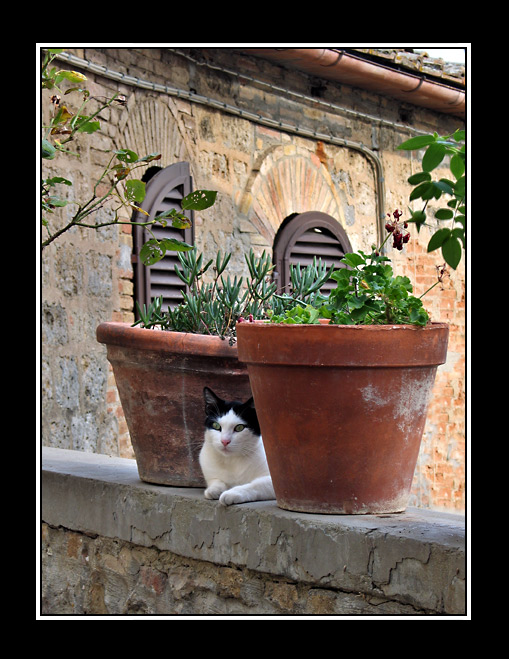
[250, 116]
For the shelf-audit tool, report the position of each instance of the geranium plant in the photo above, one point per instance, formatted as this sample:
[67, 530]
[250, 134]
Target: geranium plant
[366, 292]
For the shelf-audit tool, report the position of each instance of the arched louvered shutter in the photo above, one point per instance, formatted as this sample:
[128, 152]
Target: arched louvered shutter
[164, 191]
[302, 237]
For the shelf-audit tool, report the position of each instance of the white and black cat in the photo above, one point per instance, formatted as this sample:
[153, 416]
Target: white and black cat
[232, 457]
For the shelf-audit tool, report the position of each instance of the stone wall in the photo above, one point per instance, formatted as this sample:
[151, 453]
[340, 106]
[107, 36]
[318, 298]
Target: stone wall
[262, 175]
[112, 545]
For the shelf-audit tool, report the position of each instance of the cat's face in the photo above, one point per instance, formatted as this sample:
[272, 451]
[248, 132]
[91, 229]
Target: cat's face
[231, 428]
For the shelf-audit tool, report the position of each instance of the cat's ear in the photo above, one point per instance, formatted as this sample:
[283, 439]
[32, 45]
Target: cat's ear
[211, 400]
[249, 403]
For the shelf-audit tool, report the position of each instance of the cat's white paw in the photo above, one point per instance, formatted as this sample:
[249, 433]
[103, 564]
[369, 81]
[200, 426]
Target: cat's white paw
[232, 496]
[214, 491]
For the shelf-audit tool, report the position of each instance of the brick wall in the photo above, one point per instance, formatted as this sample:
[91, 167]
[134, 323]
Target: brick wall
[262, 175]
[95, 576]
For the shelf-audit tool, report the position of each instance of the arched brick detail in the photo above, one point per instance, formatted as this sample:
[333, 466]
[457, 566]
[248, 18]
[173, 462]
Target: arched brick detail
[153, 127]
[289, 180]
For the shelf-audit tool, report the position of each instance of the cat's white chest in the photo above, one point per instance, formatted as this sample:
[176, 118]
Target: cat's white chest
[230, 464]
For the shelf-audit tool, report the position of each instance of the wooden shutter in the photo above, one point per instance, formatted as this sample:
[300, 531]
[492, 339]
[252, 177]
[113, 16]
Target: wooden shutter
[164, 191]
[304, 236]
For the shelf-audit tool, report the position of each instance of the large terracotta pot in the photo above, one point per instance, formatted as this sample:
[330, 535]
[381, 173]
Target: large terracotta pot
[342, 410]
[160, 377]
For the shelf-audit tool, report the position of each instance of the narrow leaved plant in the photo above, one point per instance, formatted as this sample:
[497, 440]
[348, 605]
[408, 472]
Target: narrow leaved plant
[213, 302]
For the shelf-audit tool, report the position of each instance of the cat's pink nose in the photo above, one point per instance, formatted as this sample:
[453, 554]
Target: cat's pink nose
[225, 442]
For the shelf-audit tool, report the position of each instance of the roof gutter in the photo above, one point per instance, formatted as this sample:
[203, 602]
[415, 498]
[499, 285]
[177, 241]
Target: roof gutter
[339, 66]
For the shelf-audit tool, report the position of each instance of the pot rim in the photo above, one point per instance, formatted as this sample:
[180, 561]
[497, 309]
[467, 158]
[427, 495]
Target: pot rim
[354, 346]
[121, 334]
[267, 323]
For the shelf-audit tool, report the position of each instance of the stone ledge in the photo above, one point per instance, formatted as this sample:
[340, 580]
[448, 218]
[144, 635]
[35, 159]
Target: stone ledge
[415, 559]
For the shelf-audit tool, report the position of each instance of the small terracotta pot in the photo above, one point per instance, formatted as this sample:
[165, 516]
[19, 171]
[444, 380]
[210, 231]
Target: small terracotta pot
[342, 410]
[160, 377]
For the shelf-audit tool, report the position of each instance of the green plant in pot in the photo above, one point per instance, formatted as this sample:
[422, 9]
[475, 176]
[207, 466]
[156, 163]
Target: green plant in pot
[366, 292]
[212, 302]
[342, 405]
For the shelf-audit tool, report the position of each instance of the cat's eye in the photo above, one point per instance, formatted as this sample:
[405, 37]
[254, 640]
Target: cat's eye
[239, 428]
[216, 425]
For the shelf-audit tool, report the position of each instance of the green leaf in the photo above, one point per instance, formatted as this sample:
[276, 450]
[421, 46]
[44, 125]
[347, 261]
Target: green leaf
[56, 202]
[154, 250]
[434, 155]
[420, 177]
[417, 142]
[451, 251]
[342, 277]
[151, 252]
[459, 233]
[178, 220]
[89, 127]
[403, 282]
[135, 190]
[85, 92]
[457, 166]
[72, 76]
[423, 191]
[57, 179]
[48, 151]
[199, 200]
[342, 318]
[150, 157]
[438, 238]
[353, 259]
[304, 315]
[444, 185]
[444, 214]
[120, 171]
[175, 245]
[126, 155]
[459, 188]
[418, 316]
[359, 315]
[357, 302]
[419, 217]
